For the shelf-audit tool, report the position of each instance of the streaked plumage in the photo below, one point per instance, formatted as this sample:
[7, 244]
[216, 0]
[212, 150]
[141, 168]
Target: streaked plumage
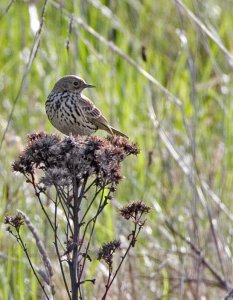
[71, 112]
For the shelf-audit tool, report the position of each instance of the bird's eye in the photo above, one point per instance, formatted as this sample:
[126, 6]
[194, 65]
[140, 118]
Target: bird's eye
[76, 83]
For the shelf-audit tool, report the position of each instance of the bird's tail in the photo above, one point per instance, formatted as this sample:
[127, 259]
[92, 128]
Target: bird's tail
[114, 131]
[103, 124]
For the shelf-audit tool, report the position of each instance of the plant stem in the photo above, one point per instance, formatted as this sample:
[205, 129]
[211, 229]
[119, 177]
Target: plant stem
[74, 264]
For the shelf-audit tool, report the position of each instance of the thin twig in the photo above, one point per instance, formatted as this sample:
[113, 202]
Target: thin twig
[135, 233]
[57, 249]
[64, 206]
[20, 241]
[37, 193]
[99, 210]
[90, 205]
[41, 249]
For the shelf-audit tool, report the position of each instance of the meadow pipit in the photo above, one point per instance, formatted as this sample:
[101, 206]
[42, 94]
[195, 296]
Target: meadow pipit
[71, 112]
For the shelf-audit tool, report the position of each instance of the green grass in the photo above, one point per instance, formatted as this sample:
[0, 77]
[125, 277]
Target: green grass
[200, 130]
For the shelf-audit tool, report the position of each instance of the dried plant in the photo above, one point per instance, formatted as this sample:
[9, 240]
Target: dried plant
[84, 173]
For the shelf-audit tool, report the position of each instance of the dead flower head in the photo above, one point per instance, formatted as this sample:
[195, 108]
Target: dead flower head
[134, 210]
[107, 250]
[62, 160]
[15, 222]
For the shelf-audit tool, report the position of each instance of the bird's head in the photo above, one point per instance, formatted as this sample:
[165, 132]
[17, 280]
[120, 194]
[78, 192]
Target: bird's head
[71, 83]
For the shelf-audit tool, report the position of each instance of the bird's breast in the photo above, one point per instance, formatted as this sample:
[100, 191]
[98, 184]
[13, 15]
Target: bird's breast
[65, 113]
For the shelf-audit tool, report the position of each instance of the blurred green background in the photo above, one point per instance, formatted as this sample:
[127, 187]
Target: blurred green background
[163, 75]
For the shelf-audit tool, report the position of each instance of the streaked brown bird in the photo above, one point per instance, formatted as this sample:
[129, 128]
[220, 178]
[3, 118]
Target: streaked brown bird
[71, 112]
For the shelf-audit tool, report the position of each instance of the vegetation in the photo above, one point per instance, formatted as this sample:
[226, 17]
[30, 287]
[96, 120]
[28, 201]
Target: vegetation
[163, 75]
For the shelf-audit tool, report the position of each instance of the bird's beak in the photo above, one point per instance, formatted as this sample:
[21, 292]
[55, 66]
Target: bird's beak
[89, 86]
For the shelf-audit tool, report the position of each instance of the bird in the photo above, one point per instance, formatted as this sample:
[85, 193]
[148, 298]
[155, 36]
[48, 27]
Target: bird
[73, 113]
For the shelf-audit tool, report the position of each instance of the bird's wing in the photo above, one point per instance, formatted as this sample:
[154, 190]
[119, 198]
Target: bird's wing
[93, 114]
